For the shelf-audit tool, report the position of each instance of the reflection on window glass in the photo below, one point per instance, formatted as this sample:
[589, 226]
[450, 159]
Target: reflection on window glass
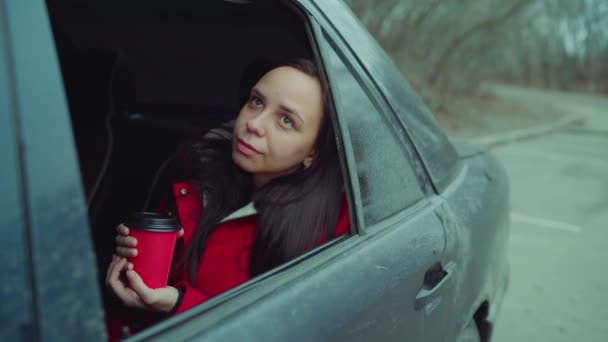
[386, 179]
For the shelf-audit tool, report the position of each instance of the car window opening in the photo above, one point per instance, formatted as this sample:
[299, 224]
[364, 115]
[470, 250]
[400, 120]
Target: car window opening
[144, 82]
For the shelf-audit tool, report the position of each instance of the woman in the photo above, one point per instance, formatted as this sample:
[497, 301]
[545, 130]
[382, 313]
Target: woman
[281, 159]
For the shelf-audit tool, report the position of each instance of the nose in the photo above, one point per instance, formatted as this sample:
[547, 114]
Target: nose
[255, 124]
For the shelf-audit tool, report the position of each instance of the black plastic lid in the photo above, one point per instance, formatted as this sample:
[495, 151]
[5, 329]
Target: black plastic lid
[153, 222]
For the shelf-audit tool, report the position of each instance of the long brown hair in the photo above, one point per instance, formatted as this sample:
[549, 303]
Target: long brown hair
[294, 211]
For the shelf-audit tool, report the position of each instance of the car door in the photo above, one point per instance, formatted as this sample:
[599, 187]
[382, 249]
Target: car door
[50, 256]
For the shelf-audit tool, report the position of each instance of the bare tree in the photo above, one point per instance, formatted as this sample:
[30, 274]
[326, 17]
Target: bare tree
[454, 45]
[485, 25]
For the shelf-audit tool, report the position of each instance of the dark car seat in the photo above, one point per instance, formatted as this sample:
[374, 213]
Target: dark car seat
[98, 87]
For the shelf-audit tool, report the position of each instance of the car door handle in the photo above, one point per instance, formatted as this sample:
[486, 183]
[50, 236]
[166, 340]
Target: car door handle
[436, 279]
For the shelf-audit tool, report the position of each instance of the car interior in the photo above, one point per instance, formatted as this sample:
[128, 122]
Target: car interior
[144, 78]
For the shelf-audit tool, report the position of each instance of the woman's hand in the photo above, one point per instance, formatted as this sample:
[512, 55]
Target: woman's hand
[138, 295]
[125, 244]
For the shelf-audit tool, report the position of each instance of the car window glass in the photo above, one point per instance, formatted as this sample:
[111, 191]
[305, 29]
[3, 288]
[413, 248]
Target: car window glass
[386, 180]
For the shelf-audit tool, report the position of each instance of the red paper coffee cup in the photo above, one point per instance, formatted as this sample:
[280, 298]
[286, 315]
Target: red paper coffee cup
[156, 235]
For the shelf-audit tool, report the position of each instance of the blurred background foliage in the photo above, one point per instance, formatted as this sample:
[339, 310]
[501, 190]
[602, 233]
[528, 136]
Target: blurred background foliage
[450, 48]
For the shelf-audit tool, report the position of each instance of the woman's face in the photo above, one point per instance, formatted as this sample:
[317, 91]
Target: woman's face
[276, 129]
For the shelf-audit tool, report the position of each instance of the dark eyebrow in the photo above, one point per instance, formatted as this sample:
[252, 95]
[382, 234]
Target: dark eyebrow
[258, 93]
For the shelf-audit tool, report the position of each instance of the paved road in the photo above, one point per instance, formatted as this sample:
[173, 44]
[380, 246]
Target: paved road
[559, 239]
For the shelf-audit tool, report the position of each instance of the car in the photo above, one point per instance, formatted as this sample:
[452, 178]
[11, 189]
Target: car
[97, 97]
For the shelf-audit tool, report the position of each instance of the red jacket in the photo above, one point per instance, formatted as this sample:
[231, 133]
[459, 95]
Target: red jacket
[225, 260]
[224, 263]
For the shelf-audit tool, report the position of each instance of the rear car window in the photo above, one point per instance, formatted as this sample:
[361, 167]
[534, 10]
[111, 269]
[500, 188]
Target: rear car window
[436, 151]
[386, 180]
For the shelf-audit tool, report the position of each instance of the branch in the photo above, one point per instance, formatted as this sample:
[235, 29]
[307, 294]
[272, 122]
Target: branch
[466, 35]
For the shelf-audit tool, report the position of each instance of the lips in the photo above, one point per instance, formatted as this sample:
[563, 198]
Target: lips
[245, 148]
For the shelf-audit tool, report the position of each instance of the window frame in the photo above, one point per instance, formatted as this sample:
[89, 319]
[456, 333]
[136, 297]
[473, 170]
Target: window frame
[241, 296]
[58, 242]
[14, 224]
